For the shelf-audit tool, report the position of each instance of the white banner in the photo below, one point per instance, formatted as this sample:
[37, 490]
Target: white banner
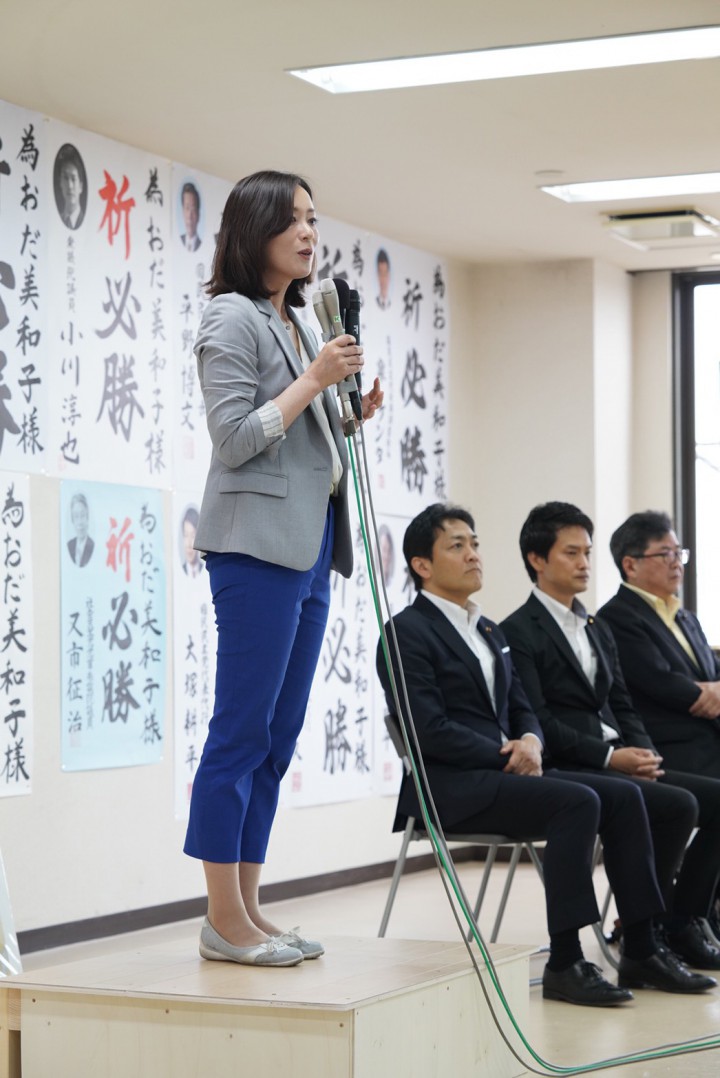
[16, 636]
[24, 285]
[344, 751]
[197, 201]
[194, 649]
[109, 271]
[113, 629]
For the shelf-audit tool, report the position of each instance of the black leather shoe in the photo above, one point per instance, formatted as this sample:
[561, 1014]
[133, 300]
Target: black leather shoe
[663, 970]
[693, 946]
[584, 984]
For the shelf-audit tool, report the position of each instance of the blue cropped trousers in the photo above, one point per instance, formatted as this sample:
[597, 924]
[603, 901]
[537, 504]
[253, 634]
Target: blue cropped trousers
[271, 622]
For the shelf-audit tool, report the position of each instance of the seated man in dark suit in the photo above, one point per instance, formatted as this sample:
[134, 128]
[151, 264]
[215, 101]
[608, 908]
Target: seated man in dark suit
[670, 669]
[482, 749]
[570, 671]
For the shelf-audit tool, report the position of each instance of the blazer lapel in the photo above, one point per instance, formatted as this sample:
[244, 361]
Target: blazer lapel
[703, 661]
[603, 680]
[546, 622]
[280, 334]
[328, 396]
[646, 612]
[451, 637]
[501, 684]
[295, 363]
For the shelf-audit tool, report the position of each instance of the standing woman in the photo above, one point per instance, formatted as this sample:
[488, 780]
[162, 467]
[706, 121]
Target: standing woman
[274, 521]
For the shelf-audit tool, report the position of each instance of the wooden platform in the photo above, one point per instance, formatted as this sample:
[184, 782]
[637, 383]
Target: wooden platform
[369, 1008]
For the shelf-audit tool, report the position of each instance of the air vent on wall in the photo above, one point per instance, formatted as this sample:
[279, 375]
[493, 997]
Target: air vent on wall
[660, 229]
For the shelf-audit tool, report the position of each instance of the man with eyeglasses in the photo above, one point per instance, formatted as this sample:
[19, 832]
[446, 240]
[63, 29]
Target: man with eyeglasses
[568, 664]
[670, 669]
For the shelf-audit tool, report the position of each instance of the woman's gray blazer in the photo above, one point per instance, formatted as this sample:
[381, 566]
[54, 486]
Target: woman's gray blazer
[266, 500]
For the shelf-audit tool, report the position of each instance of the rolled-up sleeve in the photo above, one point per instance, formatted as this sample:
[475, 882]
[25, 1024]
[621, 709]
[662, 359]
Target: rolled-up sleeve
[272, 421]
[227, 350]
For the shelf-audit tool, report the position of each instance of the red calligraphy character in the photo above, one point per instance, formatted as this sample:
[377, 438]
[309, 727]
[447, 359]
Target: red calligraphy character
[118, 546]
[117, 207]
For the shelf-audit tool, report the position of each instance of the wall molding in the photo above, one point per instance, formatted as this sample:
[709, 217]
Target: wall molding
[115, 924]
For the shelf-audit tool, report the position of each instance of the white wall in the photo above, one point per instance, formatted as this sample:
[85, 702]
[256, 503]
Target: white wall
[612, 378]
[541, 407]
[536, 358]
[652, 416]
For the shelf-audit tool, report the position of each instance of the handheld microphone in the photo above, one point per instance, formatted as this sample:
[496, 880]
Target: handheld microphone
[322, 316]
[345, 302]
[343, 290]
[335, 301]
[331, 299]
[352, 325]
[352, 317]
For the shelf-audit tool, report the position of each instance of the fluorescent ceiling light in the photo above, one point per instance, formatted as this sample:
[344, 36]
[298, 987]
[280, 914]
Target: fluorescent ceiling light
[689, 43]
[699, 183]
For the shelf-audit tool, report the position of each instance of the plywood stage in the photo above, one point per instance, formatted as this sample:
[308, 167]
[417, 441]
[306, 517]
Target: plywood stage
[369, 1008]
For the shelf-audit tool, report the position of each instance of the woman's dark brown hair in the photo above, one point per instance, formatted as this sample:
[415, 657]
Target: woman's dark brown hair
[258, 208]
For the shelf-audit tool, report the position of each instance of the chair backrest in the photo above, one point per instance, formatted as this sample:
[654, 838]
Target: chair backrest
[392, 725]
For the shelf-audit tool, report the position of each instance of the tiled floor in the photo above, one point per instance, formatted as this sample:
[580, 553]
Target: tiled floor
[562, 1035]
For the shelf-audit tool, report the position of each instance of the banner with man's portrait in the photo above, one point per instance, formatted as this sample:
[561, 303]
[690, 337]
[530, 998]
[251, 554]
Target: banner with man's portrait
[113, 627]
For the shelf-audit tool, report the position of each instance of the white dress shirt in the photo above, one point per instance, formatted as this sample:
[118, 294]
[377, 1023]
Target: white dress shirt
[464, 619]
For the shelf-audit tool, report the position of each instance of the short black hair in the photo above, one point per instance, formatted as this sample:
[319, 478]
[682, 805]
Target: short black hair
[424, 529]
[382, 256]
[538, 534]
[635, 535]
[190, 189]
[258, 208]
[69, 155]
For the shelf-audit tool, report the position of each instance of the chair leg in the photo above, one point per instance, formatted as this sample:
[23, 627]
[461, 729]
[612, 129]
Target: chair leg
[599, 926]
[517, 850]
[399, 868]
[535, 858]
[489, 862]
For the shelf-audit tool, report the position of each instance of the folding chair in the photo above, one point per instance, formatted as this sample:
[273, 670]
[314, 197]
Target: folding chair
[415, 831]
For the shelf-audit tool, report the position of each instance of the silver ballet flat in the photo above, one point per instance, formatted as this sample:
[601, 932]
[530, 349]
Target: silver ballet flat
[308, 948]
[272, 952]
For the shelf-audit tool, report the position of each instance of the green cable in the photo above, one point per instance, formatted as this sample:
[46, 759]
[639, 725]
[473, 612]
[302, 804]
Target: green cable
[439, 848]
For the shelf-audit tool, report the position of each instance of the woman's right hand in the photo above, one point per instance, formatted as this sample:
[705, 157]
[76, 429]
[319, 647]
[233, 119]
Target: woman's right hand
[336, 361]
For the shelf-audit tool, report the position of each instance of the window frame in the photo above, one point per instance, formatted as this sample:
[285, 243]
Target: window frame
[683, 296]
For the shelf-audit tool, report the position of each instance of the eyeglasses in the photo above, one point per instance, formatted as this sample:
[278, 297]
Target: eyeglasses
[668, 556]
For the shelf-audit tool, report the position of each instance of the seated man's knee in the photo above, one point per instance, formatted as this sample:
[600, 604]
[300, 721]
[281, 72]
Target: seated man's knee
[685, 807]
[586, 803]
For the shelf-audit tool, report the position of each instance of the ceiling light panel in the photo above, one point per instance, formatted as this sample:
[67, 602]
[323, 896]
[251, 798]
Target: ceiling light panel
[697, 183]
[662, 46]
